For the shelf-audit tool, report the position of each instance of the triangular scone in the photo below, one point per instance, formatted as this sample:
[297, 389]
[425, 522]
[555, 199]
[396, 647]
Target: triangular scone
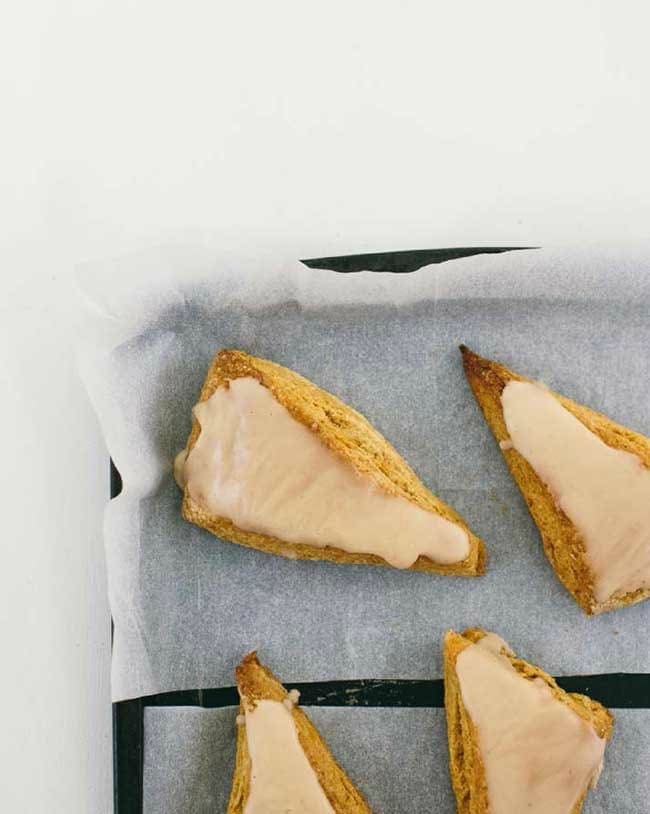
[602, 566]
[517, 742]
[310, 446]
[282, 780]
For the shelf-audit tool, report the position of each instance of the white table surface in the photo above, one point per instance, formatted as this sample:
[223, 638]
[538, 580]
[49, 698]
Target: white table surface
[330, 128]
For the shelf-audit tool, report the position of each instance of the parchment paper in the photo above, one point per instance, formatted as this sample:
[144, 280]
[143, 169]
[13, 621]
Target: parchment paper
[187, 606]
[397, 758]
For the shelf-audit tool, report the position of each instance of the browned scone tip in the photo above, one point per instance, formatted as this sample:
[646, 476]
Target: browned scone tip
[351, 437]
[477, 366]
[256, 682]
[562, 542]
[466, 767]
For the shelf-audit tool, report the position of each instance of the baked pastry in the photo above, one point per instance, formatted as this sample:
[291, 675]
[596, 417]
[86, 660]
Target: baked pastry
[275, 463]
[586, 481]
[282, 763]
[517, 742]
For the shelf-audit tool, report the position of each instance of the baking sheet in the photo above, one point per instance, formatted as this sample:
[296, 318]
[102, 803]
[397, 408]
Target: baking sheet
[397, 758]
[186, 606]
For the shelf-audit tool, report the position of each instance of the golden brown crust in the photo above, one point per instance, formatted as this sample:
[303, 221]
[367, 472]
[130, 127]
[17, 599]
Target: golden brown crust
[465, 764]
[241, 778]
[562, 542]
[349, 435]
[255, 682]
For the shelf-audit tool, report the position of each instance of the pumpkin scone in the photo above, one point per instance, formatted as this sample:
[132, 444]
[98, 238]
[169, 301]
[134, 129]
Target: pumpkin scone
[517, 742]
[275, 463]
[282, 763]
[585, 478]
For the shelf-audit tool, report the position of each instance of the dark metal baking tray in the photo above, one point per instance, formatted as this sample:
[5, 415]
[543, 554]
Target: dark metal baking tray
[615, 690]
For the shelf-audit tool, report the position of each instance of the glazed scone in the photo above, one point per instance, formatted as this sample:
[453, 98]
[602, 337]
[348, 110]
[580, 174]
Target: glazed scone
[586, 481]
[282, 765]
[517, 742]
[274, 462]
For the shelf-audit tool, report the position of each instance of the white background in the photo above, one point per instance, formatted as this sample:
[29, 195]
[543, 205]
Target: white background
[327, 127]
